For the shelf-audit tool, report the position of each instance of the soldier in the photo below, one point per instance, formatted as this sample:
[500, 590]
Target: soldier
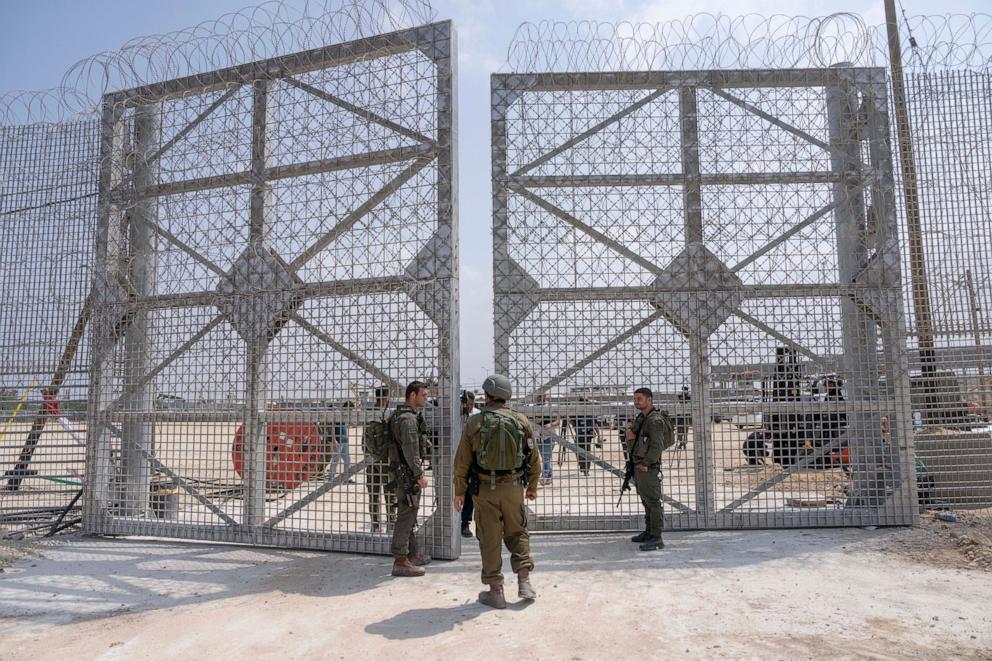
[377, 475]
[498, 447]
[405, 458]
[649, 435]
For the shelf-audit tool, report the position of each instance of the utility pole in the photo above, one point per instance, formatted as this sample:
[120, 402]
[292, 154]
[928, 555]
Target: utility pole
[917, 258]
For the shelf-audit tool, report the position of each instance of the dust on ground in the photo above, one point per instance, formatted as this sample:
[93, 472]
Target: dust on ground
[14, 550]
[965, 544]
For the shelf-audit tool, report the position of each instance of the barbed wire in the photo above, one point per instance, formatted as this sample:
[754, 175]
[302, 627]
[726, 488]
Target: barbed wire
[708, 41]
[273, 28]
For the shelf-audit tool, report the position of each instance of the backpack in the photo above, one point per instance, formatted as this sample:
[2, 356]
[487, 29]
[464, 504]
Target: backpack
[502, 442]
[668, 435]
[668, 430]
[377, 438]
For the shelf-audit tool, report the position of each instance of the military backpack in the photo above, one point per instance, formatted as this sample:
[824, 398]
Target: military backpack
[668, 431]
[667, 428]
[502, 442]
[377, 438]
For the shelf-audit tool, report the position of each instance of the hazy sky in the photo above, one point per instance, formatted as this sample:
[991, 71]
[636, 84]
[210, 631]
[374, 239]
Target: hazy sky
[40, 39]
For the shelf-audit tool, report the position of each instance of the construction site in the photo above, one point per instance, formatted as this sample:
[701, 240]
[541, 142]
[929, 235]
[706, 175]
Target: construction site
[228, 249]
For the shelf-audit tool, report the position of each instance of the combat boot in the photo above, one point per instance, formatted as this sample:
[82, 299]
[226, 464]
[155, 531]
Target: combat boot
[652, 543]
[404, 568]
[420, 559]
[524, 589]
[640, 537]
[493, 597]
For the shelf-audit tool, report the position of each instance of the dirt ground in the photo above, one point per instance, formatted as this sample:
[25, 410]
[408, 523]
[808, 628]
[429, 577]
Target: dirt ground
[966, 544]
[11, 551]
[786, 594]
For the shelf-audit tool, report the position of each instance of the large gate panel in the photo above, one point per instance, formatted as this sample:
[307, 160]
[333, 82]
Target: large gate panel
[277, 241]
[47, 203]
[728, 239]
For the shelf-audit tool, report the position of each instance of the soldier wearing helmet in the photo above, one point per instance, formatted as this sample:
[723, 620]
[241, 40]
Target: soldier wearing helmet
[498, 447]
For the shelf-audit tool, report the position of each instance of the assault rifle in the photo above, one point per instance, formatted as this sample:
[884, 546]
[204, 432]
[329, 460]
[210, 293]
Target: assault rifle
[628, 473]
[628, 469]
[404, 478]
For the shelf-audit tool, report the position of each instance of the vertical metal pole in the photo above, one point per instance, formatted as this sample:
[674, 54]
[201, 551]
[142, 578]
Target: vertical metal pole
[980, 357]
[137, 431]
[699, 364]
[859, 334]
[902, 505]
[256, 395]
[447, 204]
[691, 187]
[702, 441]
[97, 500]
[501, 99]
[917, 257]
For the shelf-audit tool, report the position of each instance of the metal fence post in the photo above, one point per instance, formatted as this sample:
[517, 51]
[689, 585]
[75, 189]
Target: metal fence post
[138, 430]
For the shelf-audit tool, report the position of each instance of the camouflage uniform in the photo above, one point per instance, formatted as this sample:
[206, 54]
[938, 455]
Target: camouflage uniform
[405, 427]
[646, 449]
[500, 514]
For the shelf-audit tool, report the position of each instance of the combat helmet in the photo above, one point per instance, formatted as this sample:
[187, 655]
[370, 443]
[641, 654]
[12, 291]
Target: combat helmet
[498, 386]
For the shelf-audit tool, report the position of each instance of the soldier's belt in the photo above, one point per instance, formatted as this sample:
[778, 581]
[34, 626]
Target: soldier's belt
[501, 479]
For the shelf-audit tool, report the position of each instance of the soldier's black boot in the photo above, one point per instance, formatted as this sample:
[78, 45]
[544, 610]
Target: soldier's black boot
[466, 530]
[493, 597]
[652, 543]
[640, 537]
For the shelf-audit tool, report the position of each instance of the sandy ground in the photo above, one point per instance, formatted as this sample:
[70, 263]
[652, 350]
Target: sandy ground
[786, 594]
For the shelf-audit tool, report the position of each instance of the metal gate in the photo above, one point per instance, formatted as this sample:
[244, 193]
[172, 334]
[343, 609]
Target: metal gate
[277, 241]
[728, 239]
[48, 216]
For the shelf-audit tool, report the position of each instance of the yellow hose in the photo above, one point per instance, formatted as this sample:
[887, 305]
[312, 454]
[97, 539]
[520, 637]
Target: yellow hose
[17, 409]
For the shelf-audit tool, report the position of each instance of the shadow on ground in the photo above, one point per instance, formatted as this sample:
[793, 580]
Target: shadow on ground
[92, 578]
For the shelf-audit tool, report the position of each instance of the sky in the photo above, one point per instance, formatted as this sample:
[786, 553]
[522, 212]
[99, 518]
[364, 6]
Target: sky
[39, 40]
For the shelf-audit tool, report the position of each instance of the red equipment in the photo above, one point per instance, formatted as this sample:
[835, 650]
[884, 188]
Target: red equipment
[294, 453]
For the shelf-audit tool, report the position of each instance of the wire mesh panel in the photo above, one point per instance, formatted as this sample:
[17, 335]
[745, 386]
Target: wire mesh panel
[729, 240]
[48, 188]
[276, 241]
[950, 122]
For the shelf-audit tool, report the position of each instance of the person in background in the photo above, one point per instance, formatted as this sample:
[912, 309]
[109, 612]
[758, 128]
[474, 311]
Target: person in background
[683, 419]
[468, 410]
[546, 427]
[377, 475]
[585, 431]
[342, 450]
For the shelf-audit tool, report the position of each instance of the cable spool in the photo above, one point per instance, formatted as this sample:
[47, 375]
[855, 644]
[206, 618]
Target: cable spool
[294, 454]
